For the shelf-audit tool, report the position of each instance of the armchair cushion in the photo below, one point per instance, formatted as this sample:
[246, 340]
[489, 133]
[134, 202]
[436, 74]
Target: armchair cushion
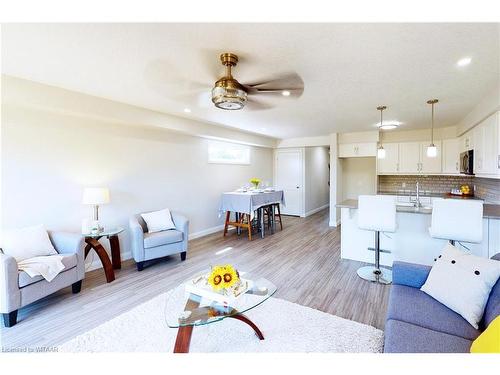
[69, 261]
[162, 238]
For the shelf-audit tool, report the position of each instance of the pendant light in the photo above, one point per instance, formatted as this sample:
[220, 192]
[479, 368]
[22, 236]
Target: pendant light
[432, 149]
[381, 150]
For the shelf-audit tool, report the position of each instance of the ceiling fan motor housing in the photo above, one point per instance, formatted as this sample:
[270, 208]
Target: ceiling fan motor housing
[228, 93]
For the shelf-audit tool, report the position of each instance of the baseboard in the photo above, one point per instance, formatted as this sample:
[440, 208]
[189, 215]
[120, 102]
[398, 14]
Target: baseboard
[309, 213]
[206, 232]
[334, 223]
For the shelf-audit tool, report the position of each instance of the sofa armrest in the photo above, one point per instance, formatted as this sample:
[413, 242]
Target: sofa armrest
[137, 239]
[181, 223]
[10, 296]
[409, 274]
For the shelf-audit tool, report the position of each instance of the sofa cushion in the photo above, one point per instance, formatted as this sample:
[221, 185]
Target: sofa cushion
[162, 238]
[69, 261]
[414, 306]
[402, 337]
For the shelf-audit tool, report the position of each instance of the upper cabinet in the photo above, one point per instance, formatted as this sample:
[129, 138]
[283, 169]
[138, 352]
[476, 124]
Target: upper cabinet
[357, 150]
[409, 158]
[487, 146]
[389, 164]
[451, 156]
[427, 164]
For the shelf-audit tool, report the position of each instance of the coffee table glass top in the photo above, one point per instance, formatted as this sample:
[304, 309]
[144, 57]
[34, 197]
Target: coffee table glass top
[105, 233]
[186, 309]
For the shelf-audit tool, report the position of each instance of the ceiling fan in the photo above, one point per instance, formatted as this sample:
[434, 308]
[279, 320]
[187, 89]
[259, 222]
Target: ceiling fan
[229, 94]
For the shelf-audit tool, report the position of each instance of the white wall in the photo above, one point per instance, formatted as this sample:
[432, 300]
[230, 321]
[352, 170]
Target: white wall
[316, 176]
[358, 177]
[49, 157]
[335, 180]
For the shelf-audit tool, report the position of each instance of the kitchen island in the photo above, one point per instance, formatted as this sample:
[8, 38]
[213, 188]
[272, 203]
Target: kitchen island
[411, 242]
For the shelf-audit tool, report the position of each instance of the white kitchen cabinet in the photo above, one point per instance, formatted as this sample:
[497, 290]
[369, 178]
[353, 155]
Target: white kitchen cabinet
[357, 150]
[486, 146]
[389, 164]
[409, 157]
[427, 164]
[451, 156]
[467, 141]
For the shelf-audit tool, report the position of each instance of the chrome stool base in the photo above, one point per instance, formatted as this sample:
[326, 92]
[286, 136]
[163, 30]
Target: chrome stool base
[371, 273]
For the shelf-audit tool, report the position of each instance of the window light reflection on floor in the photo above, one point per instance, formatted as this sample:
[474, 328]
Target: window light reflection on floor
[225, 250]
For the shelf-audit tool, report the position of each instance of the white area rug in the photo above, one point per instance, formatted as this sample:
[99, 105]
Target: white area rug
[287, 327]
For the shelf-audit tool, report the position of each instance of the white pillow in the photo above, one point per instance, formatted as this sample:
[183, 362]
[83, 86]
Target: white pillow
[462, 282]
[158, 221]
[25, 243]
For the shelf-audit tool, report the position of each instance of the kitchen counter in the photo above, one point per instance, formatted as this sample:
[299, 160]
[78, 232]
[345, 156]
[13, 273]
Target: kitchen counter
[411, 241]
[491, 211]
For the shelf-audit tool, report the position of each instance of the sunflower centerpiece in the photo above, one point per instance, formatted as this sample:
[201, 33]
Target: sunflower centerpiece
[224, 278]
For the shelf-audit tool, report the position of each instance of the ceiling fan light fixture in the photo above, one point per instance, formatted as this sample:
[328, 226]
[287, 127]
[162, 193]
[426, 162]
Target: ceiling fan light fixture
[229, 98]
[285, 93]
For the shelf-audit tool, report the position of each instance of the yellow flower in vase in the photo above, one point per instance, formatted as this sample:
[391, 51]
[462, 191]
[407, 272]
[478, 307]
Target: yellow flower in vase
[255, 182]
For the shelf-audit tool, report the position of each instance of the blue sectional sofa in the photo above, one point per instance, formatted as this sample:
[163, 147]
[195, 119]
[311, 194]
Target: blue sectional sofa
[417, 323]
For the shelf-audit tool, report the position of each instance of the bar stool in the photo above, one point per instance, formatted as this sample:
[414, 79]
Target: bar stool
[376, 213]
[457, 220]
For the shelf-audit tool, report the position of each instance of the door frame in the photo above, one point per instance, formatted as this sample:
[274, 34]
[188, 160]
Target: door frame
[301, 150]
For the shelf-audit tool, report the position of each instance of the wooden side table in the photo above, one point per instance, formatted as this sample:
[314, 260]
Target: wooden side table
[92, 241]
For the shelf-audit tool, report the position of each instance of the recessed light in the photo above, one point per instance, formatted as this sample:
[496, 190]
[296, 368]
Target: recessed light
[388, 125]
[464, 61]
[187, 110]
[285, 93]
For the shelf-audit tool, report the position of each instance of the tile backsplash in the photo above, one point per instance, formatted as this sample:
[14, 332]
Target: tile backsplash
[485, 188]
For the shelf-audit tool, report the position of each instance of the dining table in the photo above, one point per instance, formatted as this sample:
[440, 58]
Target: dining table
[245, 203]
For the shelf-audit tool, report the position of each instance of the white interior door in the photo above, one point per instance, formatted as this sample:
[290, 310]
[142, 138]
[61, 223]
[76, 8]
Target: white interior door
[290, 178]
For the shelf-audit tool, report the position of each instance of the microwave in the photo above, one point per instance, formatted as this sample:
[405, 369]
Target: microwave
[467, 162]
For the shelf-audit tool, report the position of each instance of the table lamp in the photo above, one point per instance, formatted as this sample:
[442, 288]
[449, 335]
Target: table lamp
[95, 197]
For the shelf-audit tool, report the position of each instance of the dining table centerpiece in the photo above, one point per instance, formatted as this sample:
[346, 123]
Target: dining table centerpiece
[255, 182]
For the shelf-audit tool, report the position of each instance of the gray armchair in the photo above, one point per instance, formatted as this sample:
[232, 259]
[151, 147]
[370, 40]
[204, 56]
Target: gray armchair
[147, 246]
[17, 289]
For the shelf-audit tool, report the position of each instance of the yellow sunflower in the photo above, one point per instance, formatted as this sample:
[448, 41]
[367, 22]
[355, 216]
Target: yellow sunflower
[222, 277]
[215, 279]
[230, 276]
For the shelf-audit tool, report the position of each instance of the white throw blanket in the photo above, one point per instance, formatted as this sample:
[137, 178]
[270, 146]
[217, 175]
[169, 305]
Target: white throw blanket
[47, 266]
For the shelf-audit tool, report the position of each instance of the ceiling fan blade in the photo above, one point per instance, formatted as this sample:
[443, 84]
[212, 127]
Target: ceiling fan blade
[257, 105]
[285, 81]
[292, 93]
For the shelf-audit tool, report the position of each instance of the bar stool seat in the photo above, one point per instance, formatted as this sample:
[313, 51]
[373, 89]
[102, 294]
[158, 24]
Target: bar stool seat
[376, 213]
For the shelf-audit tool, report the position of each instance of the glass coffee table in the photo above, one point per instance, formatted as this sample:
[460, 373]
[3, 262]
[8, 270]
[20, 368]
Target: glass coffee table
[185, 310]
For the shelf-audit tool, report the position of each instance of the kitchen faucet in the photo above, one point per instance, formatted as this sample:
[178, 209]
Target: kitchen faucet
[417, 203]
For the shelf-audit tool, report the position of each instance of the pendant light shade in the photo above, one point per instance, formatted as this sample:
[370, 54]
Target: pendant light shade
[381, 150]
[432, 149]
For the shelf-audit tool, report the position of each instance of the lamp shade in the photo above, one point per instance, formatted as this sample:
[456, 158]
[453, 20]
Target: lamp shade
[95, 196]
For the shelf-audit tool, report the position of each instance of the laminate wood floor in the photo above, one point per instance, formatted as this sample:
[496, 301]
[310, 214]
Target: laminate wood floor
[303, 261]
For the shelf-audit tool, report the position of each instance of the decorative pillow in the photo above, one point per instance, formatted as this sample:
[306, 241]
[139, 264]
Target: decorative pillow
[158, 221]
[462, 282]
[489, 340]
[25, 243]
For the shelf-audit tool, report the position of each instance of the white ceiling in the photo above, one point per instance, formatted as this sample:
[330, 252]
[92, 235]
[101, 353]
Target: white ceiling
[347, 69]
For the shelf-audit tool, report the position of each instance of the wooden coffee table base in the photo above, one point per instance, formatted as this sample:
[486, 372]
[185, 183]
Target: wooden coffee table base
[184, 334]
